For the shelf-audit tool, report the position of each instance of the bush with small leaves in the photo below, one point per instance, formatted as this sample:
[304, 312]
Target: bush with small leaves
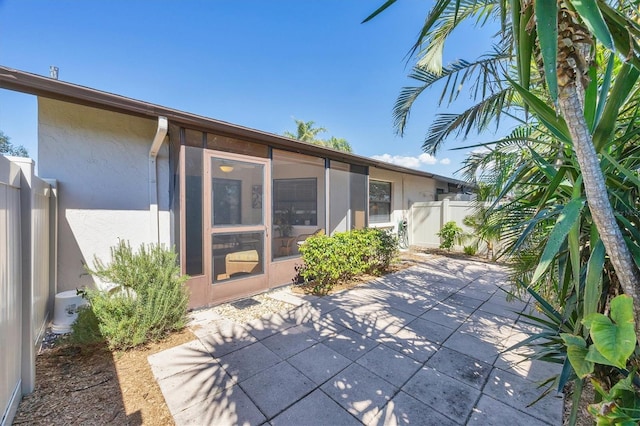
[149, 299]
[329, 260]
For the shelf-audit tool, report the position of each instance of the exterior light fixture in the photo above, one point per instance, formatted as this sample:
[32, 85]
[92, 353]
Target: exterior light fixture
[226, 168]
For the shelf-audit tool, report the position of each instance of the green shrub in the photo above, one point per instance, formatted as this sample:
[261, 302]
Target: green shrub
[470, 250]
[149, 299]
[86, 329]
[329, 260]
[450, 234]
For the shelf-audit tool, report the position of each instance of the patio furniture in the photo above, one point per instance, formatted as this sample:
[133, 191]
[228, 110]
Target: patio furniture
[300, 239]
[246, 262]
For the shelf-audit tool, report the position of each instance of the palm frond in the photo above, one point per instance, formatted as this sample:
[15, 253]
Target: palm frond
[484, 73]
[477, 117]
[443, 19]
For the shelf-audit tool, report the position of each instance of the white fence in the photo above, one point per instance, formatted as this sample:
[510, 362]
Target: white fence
[28, 208]
[427, 218]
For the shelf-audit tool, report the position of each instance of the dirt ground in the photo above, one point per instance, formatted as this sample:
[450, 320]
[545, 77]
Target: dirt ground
[94, 386]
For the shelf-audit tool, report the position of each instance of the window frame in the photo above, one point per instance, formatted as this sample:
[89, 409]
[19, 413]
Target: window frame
[299, 218]
[372, 218]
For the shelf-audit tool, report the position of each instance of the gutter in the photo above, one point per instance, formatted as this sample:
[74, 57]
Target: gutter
[161, 133]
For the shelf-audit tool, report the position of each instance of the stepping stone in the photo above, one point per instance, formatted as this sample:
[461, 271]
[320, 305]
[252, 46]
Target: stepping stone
[229, 408]
[451, 397]
[319, 363]
[276, 388]
[315, 408]
[392, 366]
[405, 410]
[359, 391]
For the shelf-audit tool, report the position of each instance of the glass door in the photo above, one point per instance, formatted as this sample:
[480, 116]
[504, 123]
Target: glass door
[237, 211]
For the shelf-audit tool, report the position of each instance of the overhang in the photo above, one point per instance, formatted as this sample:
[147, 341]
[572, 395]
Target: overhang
[21, 81]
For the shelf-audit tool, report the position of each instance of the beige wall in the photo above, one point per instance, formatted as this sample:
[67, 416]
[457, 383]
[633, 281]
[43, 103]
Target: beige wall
[405, 190]
[100, 160]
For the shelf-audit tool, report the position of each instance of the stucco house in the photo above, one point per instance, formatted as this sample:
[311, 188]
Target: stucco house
[232, 200]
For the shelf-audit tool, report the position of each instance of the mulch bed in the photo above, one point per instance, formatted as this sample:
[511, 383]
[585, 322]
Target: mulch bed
[93, 386]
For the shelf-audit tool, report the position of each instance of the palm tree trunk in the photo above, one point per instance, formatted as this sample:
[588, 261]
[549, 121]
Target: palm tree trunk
[597, 197]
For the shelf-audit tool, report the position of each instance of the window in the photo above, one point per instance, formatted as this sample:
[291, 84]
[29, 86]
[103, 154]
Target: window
[379, 202]
[226, 201]
[295, 201]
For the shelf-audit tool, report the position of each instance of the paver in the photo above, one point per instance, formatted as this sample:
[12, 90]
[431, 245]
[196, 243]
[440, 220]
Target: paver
[434, 332]
[359, 391]
[230, 408]
[469, 302]
[474, 347]
[319, 363]
[444, 394]
[490, 412]
[391, 365]
[405, 410]
[460, 366]
[518, 392]
[193, 385]
[290, 341]
[423, 346]
[276, 388]
[248, 361]
[450, 316]
[411, 344]
[350, 344]
[316, 408]
[179, 358]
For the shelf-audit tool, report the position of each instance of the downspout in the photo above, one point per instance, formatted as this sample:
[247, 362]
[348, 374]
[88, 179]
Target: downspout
[161, 133]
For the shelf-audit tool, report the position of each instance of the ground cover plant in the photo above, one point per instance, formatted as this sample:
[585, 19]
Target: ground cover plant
[328, 260]
[147, 301]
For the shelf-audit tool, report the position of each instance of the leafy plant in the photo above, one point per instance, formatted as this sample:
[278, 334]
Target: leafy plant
[613, 342]
[470, 250]
[450, 234]
[331, 259]
[148, 301]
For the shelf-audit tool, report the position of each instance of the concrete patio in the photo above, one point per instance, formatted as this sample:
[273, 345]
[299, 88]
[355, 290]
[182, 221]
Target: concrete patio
[422, 346]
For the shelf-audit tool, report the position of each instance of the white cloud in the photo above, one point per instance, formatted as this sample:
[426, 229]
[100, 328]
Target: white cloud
[411, 162]
[427, 159]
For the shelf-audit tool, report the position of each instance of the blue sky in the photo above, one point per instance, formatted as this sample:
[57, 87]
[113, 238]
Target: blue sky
[255, 63]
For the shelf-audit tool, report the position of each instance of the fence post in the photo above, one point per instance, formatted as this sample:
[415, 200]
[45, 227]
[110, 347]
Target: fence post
[53, 243]
[11, 288]
[445, 212]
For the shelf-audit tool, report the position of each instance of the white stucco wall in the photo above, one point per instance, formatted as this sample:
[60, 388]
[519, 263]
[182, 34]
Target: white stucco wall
[100, 160]
[405, 190]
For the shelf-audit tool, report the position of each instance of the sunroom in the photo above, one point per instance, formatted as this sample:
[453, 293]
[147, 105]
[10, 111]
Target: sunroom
[246, 207]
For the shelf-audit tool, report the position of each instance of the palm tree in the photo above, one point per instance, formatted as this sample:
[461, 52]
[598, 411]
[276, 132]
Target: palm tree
[340, 144]
[558, 38]
[306, 132]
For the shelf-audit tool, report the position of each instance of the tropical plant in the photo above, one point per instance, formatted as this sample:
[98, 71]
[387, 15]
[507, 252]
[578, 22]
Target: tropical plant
[470, 250]
[557, 39]
[569, 174]
[450, 234]
[306, 132]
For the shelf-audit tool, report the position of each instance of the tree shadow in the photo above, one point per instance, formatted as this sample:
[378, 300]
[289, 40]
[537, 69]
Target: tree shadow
[374, 350]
